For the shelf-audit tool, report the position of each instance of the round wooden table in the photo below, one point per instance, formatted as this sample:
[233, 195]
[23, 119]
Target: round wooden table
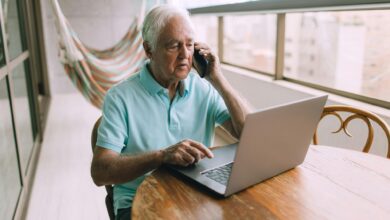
[332, 183]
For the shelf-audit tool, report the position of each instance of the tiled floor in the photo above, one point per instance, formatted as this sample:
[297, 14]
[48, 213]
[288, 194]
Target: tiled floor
[63, 188]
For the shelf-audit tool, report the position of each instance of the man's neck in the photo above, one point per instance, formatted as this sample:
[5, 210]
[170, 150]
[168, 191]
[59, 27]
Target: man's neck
[166, 83]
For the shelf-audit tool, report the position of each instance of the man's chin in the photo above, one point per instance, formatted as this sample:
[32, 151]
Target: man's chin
[182, 74]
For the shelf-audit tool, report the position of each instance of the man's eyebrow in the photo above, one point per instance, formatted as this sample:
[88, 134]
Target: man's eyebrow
[190, 39]
[172, 41]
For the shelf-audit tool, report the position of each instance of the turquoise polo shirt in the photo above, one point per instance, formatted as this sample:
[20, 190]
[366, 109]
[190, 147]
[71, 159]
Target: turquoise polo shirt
[138, 116]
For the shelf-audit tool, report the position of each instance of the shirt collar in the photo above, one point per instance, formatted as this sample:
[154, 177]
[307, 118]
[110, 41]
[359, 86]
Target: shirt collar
[153, 87]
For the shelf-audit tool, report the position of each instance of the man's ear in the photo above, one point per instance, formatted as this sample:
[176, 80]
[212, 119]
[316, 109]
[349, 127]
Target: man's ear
[147, 49]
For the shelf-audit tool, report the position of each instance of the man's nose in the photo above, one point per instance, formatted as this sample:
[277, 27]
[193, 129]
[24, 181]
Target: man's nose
[185, 52]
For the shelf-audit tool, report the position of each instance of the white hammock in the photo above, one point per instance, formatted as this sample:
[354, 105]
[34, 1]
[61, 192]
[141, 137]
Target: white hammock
[94, 71]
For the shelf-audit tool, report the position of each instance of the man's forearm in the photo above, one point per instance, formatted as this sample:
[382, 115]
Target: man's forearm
[116, 169]
[237, 107]
[109, 167]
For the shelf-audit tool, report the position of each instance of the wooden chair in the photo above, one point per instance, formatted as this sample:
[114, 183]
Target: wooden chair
[109, 189]
[366, 116]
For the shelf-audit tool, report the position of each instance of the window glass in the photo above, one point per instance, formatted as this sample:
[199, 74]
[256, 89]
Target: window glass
[343, 50]
[206, 28]
[10, 185]
[250, 41]
[12, 28]
[204, 3]
[2, 54]
[22, 113]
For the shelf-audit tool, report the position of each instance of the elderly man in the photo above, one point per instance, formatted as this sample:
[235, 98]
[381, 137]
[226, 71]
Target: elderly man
[166, 113]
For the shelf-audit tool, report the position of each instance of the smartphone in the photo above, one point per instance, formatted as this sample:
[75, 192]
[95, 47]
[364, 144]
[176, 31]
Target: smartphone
[199, 63]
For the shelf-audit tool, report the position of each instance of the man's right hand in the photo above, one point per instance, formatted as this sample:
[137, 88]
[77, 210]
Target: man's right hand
[185, 152]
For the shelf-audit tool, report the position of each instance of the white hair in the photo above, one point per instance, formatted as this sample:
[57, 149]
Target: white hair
[156, 20]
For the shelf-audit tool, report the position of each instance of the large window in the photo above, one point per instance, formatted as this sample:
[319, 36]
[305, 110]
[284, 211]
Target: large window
[249, 41]
[204, 3]
[20, 122]
[10, 184]
[347, 51]
[12, 28]
[23, 112]
[206, 28]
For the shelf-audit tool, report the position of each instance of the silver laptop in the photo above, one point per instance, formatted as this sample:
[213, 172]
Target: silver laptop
[273, 141]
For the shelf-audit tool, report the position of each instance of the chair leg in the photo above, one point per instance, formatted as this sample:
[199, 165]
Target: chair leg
[110, 207]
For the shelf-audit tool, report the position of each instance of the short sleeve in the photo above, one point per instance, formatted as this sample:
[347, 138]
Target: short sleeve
[112, 132]
[220, 111]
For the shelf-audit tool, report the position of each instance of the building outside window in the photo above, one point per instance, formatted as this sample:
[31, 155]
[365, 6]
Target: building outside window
[249, 41]
[347, 51]
[206, 27]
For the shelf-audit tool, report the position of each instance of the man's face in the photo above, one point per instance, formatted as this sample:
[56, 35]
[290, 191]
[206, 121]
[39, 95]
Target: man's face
[172, 57]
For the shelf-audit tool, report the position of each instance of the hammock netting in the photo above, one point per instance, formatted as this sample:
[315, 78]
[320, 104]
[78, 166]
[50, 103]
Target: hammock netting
[94, 71]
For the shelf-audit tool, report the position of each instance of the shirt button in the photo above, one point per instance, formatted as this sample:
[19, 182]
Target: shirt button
[174, 125]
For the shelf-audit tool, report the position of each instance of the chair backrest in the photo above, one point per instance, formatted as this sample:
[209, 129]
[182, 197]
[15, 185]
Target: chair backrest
[109, 189]
[94, 133]
[366, 116]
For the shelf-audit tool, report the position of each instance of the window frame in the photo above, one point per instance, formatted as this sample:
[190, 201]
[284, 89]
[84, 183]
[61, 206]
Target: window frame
[281, 8]
[30, 25]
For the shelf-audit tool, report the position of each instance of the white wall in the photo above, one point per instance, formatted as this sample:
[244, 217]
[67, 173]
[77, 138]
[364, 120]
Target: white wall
[98, 23]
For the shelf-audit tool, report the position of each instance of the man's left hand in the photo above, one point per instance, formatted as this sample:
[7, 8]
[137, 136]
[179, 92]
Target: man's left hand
[214, 72]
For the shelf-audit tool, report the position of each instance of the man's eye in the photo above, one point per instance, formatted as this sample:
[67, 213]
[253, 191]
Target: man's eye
[173, 46]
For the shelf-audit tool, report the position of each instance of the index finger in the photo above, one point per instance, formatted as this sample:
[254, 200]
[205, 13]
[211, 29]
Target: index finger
[200, 45]
[202, 148]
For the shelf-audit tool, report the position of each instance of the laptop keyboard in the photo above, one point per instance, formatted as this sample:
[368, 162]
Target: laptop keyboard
[220, 174]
